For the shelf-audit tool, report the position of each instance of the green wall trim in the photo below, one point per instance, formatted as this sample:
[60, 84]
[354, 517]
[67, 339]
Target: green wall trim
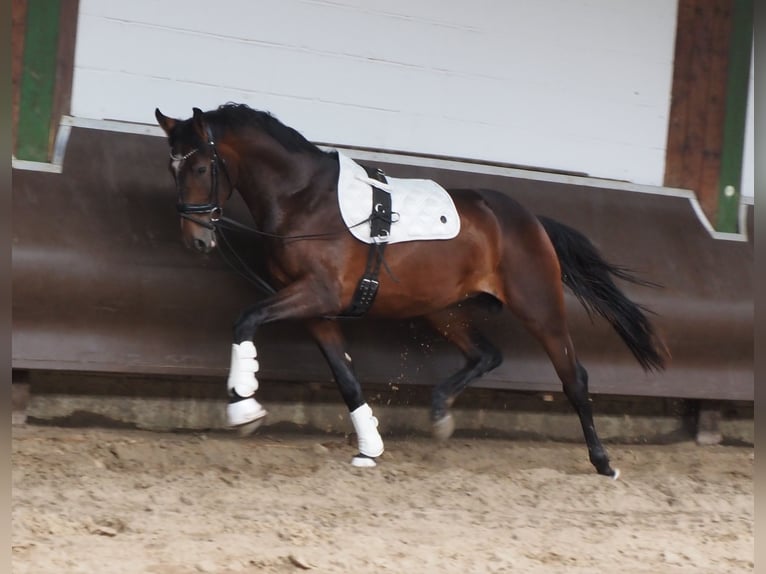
[730, 178]
[38, 80]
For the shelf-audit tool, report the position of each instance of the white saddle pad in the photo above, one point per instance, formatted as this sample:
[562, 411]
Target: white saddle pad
[422, 209]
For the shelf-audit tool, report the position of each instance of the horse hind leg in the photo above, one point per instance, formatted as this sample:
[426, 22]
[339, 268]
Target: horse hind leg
[481, 356]
[533, 291]
[574, 378]
[552, 333]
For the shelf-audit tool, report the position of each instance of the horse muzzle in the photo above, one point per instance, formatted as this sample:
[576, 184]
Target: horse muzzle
[199, 239]
[203, 246]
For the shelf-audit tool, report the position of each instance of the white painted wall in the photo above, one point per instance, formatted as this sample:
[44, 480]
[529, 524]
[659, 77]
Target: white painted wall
[580, 85]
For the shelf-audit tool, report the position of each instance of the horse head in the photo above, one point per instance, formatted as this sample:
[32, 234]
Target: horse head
[202, 175]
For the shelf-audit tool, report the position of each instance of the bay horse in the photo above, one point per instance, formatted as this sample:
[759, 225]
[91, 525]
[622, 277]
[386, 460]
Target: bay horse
[503, 254]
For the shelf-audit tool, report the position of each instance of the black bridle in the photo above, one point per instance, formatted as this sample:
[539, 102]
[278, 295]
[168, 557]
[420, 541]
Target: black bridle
[213, 206]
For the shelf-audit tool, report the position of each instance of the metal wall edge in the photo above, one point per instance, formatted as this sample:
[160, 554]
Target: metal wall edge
[458, 164]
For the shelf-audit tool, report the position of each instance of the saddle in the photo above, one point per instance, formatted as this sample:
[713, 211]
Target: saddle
[379, 210]
[421, 209]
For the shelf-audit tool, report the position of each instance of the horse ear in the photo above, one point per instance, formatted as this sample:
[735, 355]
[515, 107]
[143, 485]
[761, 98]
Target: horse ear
[166, 123]
[199, 123]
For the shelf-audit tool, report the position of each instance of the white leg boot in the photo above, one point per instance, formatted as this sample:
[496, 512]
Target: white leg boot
[242, 384]
[370, 442]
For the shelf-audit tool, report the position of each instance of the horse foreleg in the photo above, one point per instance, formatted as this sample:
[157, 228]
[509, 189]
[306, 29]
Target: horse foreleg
[297, 301]
[481, 355]
[328, 336]
[243, 411]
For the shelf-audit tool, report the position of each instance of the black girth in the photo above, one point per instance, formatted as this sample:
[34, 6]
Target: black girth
[380, 228]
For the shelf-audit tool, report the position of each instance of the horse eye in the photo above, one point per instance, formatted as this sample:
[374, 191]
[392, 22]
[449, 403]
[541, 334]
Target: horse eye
[201, 169]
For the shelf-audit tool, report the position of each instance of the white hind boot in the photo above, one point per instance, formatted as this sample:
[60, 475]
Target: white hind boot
[370, 441]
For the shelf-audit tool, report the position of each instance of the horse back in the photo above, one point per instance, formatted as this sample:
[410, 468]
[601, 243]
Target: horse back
[429, 275]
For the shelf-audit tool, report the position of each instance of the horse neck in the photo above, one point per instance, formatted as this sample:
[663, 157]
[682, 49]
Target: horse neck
[271, 177]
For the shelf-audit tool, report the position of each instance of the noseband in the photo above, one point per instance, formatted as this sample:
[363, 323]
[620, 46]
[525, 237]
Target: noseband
[213, 207]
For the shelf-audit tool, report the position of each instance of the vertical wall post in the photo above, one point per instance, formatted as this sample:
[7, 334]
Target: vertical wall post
[38, 80]
[698, 103]
[43, 45]
[730, 180]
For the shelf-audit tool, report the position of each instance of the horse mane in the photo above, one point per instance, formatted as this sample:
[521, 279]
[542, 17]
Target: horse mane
[235, 117]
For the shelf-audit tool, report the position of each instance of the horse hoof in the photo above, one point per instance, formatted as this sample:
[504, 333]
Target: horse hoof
[443, 428]
[363, 461]
[616, 474]
[249, 428]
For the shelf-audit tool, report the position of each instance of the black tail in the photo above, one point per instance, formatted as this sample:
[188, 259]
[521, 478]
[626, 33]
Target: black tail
[589, 277]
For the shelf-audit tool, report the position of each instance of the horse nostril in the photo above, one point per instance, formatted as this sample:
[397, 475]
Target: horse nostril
[200, 245]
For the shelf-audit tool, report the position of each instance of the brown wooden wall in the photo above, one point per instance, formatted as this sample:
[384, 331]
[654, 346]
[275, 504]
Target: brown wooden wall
[697, 113]
[101, 282]
[18, 25]
[65, 60]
